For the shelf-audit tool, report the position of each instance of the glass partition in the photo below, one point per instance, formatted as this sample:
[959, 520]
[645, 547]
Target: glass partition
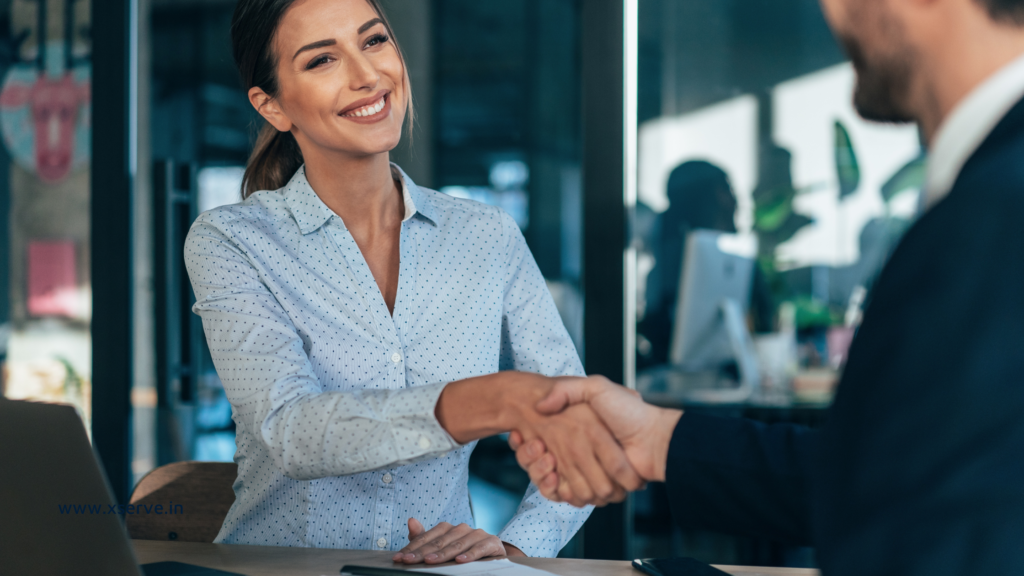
[766, 210]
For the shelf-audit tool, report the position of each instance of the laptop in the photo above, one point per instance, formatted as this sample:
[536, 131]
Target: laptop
[57, 512]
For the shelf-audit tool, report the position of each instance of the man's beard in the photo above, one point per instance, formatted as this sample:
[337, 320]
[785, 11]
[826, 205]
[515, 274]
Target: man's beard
[883, 85]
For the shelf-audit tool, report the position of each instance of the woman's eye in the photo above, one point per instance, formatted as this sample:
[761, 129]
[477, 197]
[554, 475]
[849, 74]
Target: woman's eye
[317, 61]
[377, 39]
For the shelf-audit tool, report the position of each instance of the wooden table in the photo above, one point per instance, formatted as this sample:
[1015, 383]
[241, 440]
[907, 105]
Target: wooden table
[273, 561]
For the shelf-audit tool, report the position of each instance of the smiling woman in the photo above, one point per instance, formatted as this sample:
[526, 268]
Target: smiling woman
[359, 322]
[277, 155]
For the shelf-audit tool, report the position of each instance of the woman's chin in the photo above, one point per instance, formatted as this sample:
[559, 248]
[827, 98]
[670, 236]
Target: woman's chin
[362, 151]
[369, 145]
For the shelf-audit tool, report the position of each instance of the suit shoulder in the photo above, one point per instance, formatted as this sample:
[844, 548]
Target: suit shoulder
[994, 176]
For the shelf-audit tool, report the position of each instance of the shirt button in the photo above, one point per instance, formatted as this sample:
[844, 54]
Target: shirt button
[424, 442]
[382, 543]
[387, 478]
[396, 357]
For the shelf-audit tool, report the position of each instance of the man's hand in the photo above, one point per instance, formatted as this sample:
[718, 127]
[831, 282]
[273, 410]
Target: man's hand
[445, 542]
[644, 431]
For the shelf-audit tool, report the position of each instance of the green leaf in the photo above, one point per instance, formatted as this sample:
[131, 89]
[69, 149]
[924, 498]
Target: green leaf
[847, 168]
[811, 313]
[770, 216]
[910, 176]
[789, 227]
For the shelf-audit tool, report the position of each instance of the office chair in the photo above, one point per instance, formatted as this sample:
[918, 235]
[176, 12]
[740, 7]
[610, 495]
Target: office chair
[194, 498]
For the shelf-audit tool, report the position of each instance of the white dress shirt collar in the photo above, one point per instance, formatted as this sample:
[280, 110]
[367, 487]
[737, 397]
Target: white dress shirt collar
[311, 213]
[970, 123]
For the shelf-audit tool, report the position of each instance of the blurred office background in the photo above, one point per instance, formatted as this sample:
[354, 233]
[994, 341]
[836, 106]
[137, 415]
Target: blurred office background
[724, 115]
[746, 127]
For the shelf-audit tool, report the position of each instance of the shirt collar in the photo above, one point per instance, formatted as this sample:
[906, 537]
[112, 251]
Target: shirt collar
[311, 213]
[417, 201]
[967, 127]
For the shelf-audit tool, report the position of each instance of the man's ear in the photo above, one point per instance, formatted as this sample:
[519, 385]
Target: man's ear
[269, 109]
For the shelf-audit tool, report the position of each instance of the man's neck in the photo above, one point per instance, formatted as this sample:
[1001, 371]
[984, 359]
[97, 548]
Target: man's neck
[967, 55]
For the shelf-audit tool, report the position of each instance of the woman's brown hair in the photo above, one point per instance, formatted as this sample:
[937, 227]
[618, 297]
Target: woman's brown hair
[276, 155]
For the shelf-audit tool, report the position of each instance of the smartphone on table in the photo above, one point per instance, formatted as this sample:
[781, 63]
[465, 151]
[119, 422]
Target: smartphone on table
[676, 567]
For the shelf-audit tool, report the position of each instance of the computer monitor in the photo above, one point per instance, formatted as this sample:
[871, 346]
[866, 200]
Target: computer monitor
[710, 328]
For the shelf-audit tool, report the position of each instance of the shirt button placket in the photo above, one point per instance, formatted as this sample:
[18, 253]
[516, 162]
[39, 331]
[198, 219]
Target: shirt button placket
[385, 509]
[399, 373]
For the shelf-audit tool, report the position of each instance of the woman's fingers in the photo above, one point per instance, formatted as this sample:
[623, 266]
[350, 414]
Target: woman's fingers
[565, 493]
[430, 542]
[548, 487]
[475, 539]
[541, 472]
[602, 489]
[488, 548]
[445, 542]
[542, 467]
[515, 440]
[415, 529]
[579, 491]
[529, 453]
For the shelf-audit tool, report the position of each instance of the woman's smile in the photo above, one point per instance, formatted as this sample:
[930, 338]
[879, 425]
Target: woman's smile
[369, 110]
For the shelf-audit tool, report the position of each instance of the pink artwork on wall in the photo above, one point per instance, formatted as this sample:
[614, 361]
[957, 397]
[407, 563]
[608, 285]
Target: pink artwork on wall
[54, 105]
[52, 278]
[45, 104]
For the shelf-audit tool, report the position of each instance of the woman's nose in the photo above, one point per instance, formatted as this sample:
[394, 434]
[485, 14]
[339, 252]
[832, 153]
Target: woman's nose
[363, 74]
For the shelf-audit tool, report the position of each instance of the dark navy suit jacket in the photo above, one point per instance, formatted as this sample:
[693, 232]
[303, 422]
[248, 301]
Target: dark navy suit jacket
[919, 470]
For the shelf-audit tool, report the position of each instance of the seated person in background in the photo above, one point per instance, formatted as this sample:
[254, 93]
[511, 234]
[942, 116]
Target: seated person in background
[700, 198]
[339, 300]
[918, 469]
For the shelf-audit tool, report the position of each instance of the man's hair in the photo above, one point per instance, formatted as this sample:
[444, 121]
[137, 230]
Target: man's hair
[1008, 11]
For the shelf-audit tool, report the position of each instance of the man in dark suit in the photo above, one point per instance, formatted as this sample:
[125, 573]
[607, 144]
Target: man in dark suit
[919, 470]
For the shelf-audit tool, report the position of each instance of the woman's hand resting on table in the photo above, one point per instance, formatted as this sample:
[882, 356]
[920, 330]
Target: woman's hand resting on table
[444, 543]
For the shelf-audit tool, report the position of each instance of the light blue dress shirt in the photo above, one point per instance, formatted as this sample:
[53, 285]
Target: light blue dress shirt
[333, 397]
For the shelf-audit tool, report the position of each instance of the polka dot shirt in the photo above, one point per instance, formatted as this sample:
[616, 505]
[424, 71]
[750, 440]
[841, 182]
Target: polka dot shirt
[333, 396]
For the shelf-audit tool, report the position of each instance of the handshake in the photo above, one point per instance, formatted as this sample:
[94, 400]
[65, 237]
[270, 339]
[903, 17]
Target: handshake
[582, 440]
[592, 441]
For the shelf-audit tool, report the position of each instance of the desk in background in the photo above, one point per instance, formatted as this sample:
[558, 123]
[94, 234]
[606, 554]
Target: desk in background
[273, 561]
[654, 531]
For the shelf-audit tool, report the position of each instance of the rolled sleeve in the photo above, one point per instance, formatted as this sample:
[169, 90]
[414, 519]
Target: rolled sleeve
[540, 527]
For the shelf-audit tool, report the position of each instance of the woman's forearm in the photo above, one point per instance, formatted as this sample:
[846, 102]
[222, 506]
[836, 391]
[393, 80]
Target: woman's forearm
[487, 405]
[466, 410]
[317, 434]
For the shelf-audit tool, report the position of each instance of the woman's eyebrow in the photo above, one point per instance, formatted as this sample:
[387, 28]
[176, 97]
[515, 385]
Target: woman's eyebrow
[369, 25]
[315, 45]
[332, 41]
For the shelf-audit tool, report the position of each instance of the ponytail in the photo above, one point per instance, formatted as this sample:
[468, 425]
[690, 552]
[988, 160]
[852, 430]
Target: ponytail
[275, 158]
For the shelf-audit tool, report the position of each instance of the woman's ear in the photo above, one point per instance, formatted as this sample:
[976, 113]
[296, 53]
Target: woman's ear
[269, 109]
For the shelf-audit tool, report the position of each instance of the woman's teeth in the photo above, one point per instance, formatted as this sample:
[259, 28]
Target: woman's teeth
[368, 110]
